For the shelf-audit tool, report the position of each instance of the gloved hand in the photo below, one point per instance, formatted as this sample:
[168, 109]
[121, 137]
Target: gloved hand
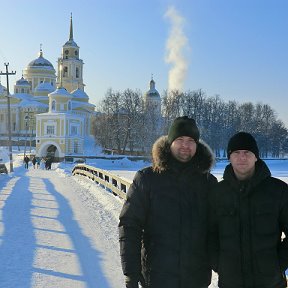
[131, 282]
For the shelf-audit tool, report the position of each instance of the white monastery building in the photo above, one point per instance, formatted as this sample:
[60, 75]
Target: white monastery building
[54, 109]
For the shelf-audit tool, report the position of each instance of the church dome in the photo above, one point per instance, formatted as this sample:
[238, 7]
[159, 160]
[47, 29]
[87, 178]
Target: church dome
[22, 82]
[41, 62]
[152, 92]
[60, 92]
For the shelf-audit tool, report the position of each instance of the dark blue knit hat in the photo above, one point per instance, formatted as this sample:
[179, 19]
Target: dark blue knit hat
[242, 141]
[183, 126]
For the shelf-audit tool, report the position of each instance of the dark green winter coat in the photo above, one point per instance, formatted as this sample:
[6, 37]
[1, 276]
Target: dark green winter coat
[246, 230]
[163, 223]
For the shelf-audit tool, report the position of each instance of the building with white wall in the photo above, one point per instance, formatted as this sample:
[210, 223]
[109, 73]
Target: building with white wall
[51, 107]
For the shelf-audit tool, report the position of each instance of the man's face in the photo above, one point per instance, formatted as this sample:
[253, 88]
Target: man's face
[243, 163]
[183, 148]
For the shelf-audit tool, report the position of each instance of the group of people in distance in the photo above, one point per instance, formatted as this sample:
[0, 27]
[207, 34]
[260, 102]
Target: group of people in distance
[178, 223]
[37, 162]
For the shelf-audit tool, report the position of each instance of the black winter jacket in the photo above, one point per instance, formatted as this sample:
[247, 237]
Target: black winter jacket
[246, 230]
[163, 223]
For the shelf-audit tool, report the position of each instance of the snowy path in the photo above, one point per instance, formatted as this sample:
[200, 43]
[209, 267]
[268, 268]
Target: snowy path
[57, 233]
[60, 231]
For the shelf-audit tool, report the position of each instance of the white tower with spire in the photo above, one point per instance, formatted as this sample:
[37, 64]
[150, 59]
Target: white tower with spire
[70, 66]
[152, 99]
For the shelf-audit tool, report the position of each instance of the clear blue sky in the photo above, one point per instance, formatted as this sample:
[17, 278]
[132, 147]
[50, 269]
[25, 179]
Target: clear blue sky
[237, 49]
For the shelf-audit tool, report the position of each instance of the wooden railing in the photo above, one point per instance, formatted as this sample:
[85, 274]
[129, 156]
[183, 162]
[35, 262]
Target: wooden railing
[109, 181]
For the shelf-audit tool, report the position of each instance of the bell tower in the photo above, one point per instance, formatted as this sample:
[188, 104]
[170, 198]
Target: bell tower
[70, 66]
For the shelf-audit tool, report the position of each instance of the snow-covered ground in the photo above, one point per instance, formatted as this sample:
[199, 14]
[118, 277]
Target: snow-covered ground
[58, 230]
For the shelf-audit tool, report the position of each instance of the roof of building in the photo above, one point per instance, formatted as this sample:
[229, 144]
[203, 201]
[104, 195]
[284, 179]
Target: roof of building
[78, 93]
[152, 92]
[34, 104]
[61, 91]
[41, 62]
[22, 82]
[71, 41]
[45, 86]
[82, 105]
[2, 89]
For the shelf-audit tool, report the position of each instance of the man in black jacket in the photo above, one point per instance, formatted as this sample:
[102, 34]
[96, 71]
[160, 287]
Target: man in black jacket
[163, 223]
[249, 227]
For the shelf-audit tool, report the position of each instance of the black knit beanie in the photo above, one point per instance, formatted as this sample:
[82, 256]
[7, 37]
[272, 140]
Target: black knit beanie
[242, 141]
[183, 126]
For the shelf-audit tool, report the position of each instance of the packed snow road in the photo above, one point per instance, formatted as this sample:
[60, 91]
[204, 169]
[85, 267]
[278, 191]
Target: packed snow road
[60, 231]
[57, 232]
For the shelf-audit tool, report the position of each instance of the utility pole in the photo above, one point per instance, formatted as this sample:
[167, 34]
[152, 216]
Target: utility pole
[31, 129]
[27, 126]
[9, 113]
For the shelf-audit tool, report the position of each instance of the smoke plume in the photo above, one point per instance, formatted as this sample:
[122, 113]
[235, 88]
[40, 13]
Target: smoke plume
[176, 46]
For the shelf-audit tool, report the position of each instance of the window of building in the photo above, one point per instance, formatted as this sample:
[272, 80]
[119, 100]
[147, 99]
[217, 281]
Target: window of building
[77, 72]
[65, 71]
[74, 130]
[76, 147]
[53, 106]
[50, 130]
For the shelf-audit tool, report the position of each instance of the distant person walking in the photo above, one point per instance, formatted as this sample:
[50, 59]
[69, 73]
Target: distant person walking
[42, 163]
[26, 161]
[34, 162]
[38, 161]
[48, 163]
[250, 216]
[163, 223]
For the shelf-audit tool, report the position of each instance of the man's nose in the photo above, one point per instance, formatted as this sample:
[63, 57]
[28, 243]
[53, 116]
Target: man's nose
[242, 155]
[185, 143]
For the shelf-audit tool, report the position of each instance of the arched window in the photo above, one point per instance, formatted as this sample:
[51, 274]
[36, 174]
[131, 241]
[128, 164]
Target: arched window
[65, 71]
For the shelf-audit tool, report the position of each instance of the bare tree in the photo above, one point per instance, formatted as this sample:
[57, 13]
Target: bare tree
[171, 107]
[132, 102]
[193, 105]
[125, 123]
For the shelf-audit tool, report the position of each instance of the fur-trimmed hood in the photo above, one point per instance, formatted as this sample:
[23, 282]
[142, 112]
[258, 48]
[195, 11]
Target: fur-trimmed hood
[203, 160]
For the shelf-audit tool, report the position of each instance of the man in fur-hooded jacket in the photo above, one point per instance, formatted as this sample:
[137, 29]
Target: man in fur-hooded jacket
[163, 223]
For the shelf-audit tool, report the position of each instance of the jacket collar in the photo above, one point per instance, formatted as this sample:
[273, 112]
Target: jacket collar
[261, 172]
